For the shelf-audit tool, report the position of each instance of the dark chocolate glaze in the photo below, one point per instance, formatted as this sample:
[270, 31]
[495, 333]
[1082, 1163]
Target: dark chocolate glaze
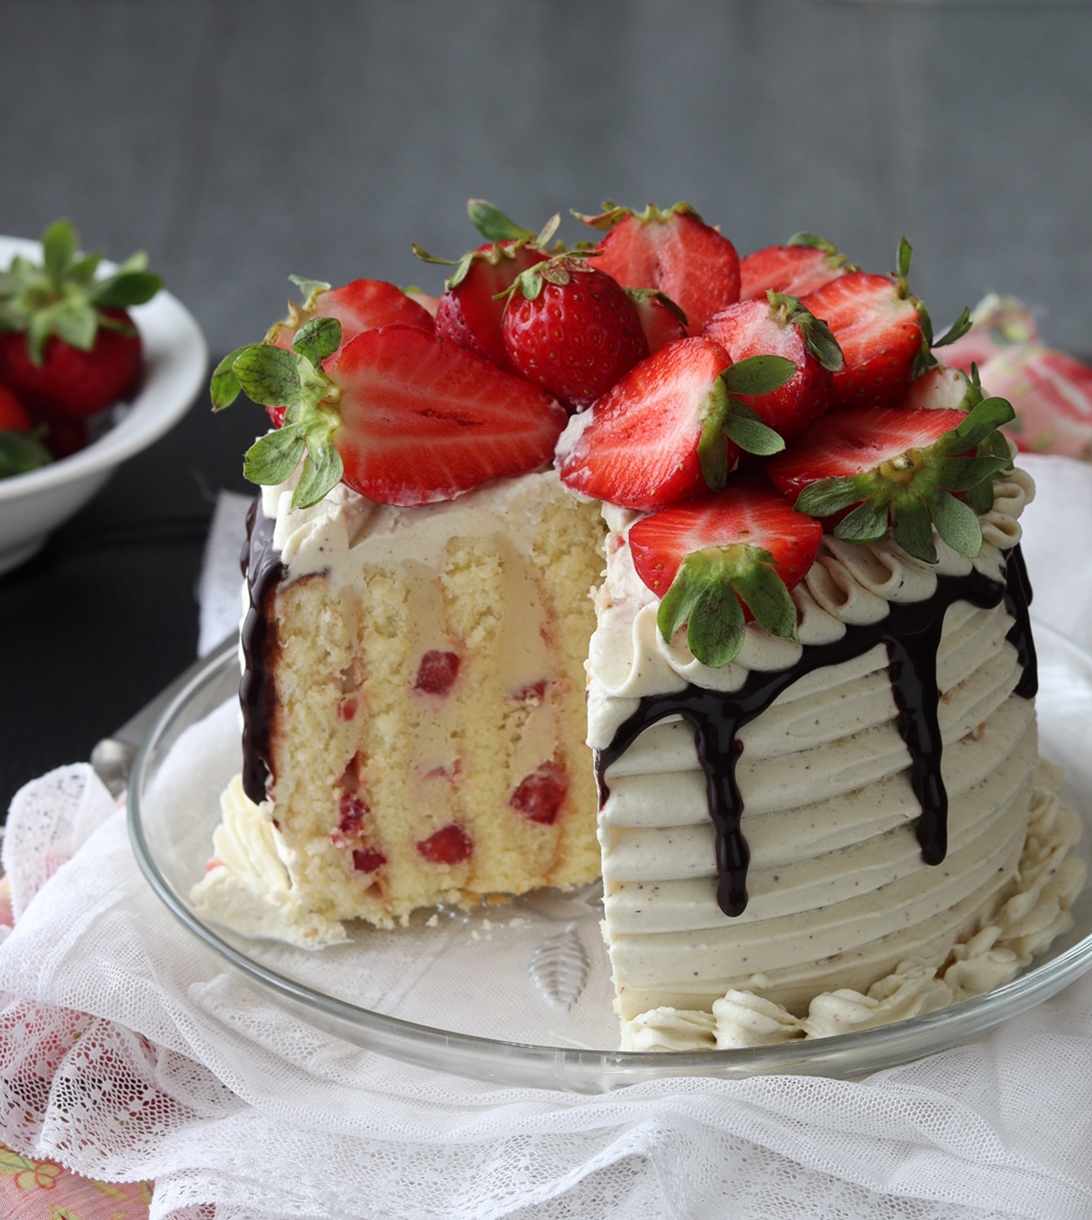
[264, 571]
[911, 633]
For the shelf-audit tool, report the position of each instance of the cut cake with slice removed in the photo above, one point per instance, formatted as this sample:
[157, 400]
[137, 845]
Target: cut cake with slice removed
[414, 708]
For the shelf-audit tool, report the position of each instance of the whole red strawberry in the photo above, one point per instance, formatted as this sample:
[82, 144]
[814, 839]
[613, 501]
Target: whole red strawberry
[572, 329]
[68, 347]
[673, 250]
[779, 325]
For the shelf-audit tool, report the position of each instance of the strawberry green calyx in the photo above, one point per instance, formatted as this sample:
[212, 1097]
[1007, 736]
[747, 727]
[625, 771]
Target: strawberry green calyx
[818, 336]
[273, 377]
[723, 415]
[814, 242]
[925, 358]
[507, 238]
[613, 214]
[706, 595]
[21, 452]
[558, 270]
[298, 314]
[916, 491]
[62, 296]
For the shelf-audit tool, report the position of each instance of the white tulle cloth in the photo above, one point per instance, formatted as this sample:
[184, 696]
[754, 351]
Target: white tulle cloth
[128, 1052]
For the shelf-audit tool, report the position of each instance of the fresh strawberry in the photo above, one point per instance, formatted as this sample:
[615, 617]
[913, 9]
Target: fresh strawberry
[13, 415]
[910, 468]
[804, 264]
[471, 307]
[884, 332]
[661, 319]
[401, 416]
[673, 250]
[359, 306]
[21, 447]
[673, 427]
[571, 328]
[723, 558]
[781, 326]
[68, 348]
[940, 388]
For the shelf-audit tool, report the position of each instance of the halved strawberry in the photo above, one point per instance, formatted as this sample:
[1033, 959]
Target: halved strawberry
[804, 264]
[671, 428]
[673, 250]
[884, 332]
[359, 305]
[571, 328]
[401, 416]
[661, 319]
[904, 467]
[721, 559]
[779, 325]
[471, 307]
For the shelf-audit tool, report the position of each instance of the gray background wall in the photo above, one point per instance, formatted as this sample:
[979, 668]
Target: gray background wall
[241, 140]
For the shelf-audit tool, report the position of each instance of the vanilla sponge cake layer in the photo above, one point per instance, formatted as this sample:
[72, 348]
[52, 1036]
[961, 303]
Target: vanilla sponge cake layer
[423, 735]
[839, 897]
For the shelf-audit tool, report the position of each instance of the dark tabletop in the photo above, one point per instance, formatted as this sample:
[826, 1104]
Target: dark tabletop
[106, 614]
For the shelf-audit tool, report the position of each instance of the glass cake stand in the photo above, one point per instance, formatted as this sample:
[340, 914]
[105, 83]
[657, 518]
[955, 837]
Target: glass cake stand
[520, 994]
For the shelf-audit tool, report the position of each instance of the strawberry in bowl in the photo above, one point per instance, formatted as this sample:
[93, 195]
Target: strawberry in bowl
[69, 347]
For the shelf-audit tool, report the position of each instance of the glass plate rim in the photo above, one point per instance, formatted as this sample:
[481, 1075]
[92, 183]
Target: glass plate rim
[586, 1069]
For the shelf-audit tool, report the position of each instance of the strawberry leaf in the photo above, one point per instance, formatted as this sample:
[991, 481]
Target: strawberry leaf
[224, 387]
[815, 242]
[957, 330]
[866, 523]
[59, 243]
[744, 426]
[269, 375]
[273, 457]
[21, 452]
[318, 339]
[321, 472]
[493, 224]
[127, 288]
[826, 497]
[758, 374]
[716, 629]
[980, 422]
[957, 524]
[764, 593]
[914, 531]
[706, 595]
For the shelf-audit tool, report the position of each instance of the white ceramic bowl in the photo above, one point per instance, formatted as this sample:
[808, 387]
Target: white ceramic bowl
[175, 362]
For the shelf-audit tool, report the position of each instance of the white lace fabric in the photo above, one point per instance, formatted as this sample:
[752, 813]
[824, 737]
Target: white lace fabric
[129, 1051]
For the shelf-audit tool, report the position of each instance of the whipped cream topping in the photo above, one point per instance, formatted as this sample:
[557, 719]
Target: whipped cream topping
[1034, 910]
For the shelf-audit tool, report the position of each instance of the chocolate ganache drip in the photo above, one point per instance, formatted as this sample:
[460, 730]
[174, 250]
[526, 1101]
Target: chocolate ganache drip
[911, 632]
[263, 571]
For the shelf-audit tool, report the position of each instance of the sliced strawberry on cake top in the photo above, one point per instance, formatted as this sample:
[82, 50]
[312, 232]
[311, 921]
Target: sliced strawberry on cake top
[779, 325]
[672, 428]
[883, 330]
[913, 469]
[721, 559]
[359, 305]
[673, 250]
[472, 304]
[802, 265]
[401, 416]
